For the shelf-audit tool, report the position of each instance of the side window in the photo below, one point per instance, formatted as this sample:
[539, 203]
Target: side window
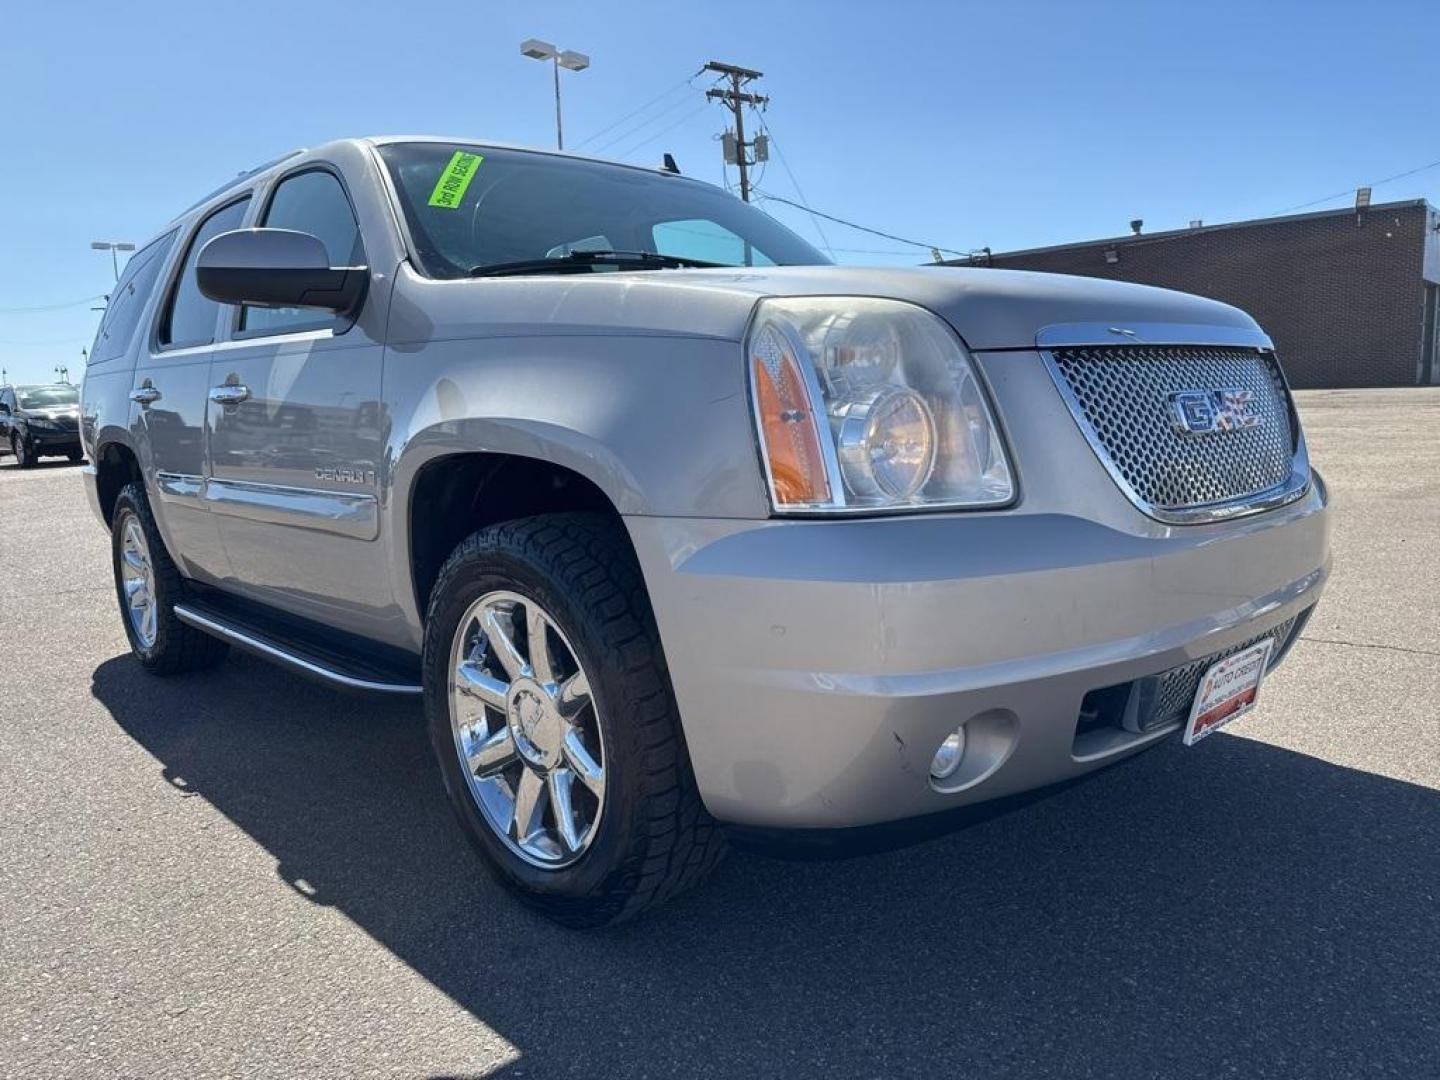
[312, 202]
[190, 318]
[127, 301]
[706, 241]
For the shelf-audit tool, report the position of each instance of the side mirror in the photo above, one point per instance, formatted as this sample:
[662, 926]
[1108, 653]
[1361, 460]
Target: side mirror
[277, 268]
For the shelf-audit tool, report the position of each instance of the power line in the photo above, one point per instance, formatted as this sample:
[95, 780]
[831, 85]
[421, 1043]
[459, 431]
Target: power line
[1351, 190]
[863, 228]
[636, 112]
[663, 131]
[625, 135]
[785, 164]
[51, 307]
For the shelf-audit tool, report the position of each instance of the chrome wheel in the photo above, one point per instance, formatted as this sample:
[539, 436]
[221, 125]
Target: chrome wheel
[526, 729]
[137, 581]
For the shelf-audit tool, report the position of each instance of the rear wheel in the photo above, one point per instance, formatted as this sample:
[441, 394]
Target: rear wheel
[552, 718]
[147, 584]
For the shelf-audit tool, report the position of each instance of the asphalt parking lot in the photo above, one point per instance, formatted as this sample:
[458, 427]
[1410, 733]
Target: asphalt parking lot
[241, 873]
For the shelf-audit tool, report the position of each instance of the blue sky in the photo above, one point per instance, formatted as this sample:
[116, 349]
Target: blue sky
[1002, 124]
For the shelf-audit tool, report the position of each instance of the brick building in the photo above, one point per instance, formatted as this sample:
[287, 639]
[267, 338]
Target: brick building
[1349, 296]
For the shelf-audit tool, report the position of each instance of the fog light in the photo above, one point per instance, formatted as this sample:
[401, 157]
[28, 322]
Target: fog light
[949, 756]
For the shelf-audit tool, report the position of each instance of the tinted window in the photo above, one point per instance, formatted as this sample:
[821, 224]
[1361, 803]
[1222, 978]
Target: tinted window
[127, 302]
[470, 207]
[7, 399]
[191, 318]
[706, 241]
[315, 203]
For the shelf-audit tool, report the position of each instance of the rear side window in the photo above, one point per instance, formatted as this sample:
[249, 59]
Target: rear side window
[127, 301]
[190, 318]
[311, 202]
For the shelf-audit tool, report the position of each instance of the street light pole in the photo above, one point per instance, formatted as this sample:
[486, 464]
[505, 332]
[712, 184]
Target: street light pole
[112, 246]
[559, 127]
[566, 58]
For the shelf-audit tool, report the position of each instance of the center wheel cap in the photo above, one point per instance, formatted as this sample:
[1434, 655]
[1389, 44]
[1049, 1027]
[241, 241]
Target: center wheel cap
[535, 724]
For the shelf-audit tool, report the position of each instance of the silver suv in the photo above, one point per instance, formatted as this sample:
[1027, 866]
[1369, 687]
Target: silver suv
[682, 533]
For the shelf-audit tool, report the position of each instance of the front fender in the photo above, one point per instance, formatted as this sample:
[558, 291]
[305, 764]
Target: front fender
[659, 423]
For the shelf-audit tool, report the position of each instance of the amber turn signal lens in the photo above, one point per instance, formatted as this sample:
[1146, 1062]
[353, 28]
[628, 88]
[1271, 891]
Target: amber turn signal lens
[788, 425]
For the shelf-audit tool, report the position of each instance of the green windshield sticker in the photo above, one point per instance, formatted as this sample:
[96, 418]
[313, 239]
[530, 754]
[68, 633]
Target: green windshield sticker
[450, 188]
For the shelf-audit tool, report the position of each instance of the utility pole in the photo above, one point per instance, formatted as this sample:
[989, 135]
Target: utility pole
[737, 99]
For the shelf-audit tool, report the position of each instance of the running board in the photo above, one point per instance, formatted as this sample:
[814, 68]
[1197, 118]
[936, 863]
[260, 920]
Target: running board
[290, 654]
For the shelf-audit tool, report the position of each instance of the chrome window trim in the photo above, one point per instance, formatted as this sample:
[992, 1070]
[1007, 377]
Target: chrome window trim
[1080, 335]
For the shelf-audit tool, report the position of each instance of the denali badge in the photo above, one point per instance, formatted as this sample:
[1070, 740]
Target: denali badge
[345, 474]
[1199, 412]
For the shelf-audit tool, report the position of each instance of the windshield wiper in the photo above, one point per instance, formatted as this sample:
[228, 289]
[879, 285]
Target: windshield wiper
[580, 261]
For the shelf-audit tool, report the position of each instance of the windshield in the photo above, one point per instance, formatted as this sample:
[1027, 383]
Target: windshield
[469, 207]
[47, 397]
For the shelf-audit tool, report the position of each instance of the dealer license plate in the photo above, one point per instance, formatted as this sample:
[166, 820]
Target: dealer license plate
[1229, 689]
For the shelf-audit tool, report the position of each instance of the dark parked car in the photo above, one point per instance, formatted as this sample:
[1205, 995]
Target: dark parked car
[40, 421]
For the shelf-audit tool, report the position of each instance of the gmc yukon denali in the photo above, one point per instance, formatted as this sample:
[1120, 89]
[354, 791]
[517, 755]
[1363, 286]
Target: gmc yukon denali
[680, 531]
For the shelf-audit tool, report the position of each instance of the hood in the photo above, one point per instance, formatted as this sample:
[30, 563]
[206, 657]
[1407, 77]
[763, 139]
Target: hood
[990, 309]
[995, 309]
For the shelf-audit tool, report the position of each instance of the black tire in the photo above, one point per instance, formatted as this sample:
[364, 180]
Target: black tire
[654, 838]
[23, 451]
[177, 647]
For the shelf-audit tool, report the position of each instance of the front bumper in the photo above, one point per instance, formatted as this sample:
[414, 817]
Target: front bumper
[819, 664]
[53, 441]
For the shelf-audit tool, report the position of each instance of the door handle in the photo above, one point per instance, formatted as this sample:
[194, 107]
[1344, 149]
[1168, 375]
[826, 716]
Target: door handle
[229, 395]
[145, 395]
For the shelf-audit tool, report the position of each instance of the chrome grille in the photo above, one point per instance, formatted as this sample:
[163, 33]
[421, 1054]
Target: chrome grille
[1122, 397]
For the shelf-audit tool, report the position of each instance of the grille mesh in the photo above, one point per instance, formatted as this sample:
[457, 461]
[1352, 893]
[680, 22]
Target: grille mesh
[1175, 689]
[1124, 393]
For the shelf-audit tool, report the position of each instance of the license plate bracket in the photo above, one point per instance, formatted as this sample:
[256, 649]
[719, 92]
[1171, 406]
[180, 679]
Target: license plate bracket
[1228, 689]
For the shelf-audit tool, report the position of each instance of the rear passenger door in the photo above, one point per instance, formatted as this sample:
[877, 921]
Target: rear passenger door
[297, 430]
[167, 417]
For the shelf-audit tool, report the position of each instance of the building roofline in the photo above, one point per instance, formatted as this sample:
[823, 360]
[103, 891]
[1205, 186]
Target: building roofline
[1131, 239]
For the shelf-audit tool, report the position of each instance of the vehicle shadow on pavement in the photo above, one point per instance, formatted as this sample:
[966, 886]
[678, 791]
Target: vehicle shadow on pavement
[1232, 908]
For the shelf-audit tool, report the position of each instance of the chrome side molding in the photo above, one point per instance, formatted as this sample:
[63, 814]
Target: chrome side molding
[271, 651]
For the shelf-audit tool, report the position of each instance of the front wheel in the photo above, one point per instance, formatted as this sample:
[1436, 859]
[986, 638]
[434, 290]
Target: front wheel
[552, 718]
[24, 453]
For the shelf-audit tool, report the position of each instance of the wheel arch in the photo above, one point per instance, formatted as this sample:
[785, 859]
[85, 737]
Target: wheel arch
[116, 464]
[451, 495]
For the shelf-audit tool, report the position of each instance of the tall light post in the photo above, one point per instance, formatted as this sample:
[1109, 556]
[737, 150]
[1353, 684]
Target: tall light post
[112, 246]
[570, 61]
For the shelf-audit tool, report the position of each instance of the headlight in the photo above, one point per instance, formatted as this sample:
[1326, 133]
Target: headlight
[865, 404]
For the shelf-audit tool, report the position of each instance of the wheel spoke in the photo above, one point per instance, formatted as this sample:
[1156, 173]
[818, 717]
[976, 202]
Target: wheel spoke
[559, 784]
[147, 624]
[529, 805]
[134, 562]
[502, 648]
[492, 754]
[471, 679]
[583, 764]
[538, 644]
[574, 695]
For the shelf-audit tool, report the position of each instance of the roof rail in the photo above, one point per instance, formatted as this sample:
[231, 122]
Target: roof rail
[246, 175]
